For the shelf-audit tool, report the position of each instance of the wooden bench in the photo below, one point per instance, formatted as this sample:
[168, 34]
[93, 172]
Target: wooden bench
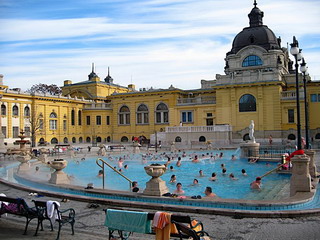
[18, 206]
[63, 216]
[174, 219]
[116, 147]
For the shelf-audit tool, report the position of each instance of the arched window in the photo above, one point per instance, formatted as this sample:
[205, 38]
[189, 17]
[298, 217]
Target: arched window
[246, 137]
[124, 115]
[53, 115]
[26, 111]
[142, 114]
[292, 137]
[3, 110]
[124, 139]
[80, 140]
[108, 139]
[251, 60]
[177, 139]
[54, 141]
[15, 110]
[88, 140]
[74, 140]
[202, 139]
[162, 113]
[98, 139]
[65, 140]
[41, 141]
[247, 103]
[317, 136]
[53, 122]
[79, 117]
[72, 118]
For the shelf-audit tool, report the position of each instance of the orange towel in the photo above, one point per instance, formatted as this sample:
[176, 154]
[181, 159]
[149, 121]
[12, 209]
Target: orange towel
[162, 224]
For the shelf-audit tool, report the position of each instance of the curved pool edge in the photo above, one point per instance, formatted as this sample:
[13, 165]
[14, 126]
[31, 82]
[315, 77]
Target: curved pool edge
[237, 213]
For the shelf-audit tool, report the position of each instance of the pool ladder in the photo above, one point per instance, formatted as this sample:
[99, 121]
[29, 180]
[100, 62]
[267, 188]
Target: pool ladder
[101, 163]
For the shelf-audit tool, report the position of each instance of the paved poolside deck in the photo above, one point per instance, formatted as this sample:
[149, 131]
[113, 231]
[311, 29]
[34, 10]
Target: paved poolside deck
[89, 224]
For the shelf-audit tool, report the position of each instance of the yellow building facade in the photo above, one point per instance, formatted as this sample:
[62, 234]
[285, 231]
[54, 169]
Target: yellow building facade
[258, 85]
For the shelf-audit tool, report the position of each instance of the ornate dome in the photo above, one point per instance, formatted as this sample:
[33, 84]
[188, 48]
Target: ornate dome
[257, 34]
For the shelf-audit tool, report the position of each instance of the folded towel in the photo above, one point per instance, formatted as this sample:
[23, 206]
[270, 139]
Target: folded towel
[128, 221]
[51, 211]
[160, 220]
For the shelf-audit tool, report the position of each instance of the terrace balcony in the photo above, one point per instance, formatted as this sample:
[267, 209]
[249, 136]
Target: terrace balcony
[291, 95]
[192, 129]
[98, 106]
[196, 101]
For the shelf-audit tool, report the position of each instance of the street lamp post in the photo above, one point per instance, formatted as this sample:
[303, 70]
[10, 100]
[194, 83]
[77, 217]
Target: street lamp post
[296, 52]
[304, 70]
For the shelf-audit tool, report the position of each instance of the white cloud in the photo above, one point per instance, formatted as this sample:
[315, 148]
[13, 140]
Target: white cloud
[158, 42]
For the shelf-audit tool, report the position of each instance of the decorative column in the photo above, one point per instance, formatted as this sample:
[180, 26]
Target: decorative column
[300, 180]
[312, 165]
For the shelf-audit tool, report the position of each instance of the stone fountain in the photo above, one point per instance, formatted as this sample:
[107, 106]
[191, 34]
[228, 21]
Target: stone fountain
[59, 177]
[23, 154]
[155, 186]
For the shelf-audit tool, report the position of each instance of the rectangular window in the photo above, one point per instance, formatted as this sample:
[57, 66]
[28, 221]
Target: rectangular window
[290, 115]
[209, 121]
[209, 114]
[108, 120]
[27, 131]
[88, 120]
[98, 120]
[53, 124]
[41, 124]
[187, 117]
[314, 98]
[64, 125]
[15, 132]
[4, 131]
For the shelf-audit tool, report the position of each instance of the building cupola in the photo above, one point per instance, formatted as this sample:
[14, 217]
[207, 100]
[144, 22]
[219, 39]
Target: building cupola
[255, 16]
[256, 34]
[93, 76]
[108, 78]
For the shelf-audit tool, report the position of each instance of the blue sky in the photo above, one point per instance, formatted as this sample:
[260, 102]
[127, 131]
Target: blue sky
[151, 43]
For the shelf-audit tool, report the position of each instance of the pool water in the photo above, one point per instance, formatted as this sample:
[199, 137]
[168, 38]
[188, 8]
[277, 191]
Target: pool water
[86, 171]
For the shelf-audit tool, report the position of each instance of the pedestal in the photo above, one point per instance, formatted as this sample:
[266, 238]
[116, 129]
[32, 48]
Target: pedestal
[250, 150]
[312, 165]
[59, 177]
[300, 180]
[23, 167]
[156, 187]
[43, 158]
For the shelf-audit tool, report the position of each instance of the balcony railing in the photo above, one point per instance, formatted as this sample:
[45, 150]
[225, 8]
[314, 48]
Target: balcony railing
[291, 95]
[97, 106]
[196, 101]
[215, 128]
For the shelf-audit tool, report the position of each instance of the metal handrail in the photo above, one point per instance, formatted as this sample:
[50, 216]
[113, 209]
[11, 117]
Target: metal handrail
[271, 171]
[115, 170]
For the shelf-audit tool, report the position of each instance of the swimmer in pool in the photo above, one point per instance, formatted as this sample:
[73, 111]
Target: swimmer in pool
[100, 173]
[256, 184]
[173, 179]
[244, 173]
[195, 159]
[178, 162]
[213, 177]
[179, 190]
[201, 173]
[208, 192]
[232, 177]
